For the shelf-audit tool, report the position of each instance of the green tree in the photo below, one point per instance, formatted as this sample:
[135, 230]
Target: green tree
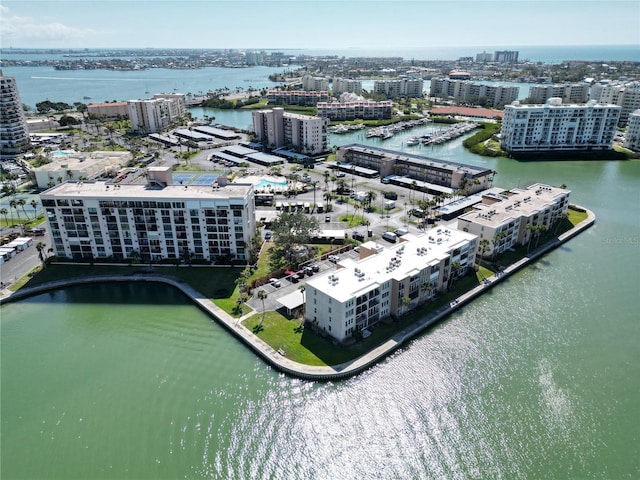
[291, 230]
[262, 295]
[13, 203]
[5, 213]
[41, 249]
[455, 269]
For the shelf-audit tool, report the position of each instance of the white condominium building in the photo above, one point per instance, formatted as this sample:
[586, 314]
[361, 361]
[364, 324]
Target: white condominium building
[296, 97]
[386, 281]
[277, 128]
[554, 126]
[156, 114]
[466, 91]
[632, 136]
[14, 135]
[399, 87]
[568, 92]
[315, 84]
[505, 219]
[626, 95]
[346, 85]
[99, 220]
[366, 110]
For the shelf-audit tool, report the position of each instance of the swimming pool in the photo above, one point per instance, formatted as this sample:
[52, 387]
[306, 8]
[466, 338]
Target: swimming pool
[268, 183]
[61, 153]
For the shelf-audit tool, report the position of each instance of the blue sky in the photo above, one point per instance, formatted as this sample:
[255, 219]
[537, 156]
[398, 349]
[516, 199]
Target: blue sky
[332, 24]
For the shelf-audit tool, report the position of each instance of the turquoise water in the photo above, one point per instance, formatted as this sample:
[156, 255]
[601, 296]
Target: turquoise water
[268, 183]
[539, 378]
[60, 153]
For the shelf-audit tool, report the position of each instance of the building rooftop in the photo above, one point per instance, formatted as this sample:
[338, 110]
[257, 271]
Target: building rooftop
[107, 191]
[519, 202]
[70, 160]
[427, 161]
[408, 257]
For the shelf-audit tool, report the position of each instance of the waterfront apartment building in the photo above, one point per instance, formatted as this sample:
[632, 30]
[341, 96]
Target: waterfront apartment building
[365, 110]
[111, 110]
[506, 56]
[632, 136]
[506, 219]
[315, 84]
[386, 281]
[554, 126]
[399, 87]
[99, 220]
[276, 128]
[416, 167]
[568, 92]
[484, 57]
[466, 91]
[626, 95]
[14, 134]
[296, 97]
[155, 114]
[346, 85]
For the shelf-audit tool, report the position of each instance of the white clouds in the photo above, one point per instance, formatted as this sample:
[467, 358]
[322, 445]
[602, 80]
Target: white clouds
[15, 28]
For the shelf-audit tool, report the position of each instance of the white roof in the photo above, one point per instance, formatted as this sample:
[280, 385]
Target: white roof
[292, 300]
[398, 261]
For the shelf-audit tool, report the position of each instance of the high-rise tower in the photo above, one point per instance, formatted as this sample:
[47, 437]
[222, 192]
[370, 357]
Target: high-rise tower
[14, 135]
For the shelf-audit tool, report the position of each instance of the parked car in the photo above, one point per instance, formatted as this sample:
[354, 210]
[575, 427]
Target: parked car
[390, 237]
[327, 218]
[390, 195]
[400, 231]
[275, 282]
[334, 258]
[267, 235]
[308, 271]
[315, 268]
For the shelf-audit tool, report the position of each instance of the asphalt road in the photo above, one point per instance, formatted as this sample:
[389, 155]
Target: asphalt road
[23, 262]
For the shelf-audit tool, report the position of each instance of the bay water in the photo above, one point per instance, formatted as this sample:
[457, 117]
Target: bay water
[539, 378]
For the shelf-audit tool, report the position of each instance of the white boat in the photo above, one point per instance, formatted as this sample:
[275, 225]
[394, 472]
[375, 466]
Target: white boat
[413, 141]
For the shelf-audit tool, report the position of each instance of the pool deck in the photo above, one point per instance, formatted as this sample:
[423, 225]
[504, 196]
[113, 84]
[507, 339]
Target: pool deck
[309, 372]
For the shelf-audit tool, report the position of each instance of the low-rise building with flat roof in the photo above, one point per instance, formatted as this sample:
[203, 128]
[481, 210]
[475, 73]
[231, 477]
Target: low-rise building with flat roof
[71, 165]
[386, 281]
[417, 167]
[506, 219]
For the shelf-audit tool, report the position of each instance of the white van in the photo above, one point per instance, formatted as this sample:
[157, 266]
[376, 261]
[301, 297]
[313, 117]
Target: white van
[390, 237]
[400, 231]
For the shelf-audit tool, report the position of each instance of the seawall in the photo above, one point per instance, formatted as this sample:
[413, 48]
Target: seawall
[308, 372]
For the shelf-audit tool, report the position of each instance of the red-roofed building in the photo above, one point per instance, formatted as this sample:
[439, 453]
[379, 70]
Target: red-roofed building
[467, 112]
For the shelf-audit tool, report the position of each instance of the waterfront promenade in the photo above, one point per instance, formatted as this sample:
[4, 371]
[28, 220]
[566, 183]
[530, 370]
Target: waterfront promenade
[281, 362]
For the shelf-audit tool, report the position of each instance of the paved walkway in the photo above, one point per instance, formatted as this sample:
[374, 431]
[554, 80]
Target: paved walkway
[280, 362]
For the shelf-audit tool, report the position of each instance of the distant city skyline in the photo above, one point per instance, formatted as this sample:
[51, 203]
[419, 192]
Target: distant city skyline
[329, 24]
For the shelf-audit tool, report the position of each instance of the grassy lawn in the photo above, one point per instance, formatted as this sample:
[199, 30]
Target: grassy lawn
[307, 347]
[261, 104]
[353, 220]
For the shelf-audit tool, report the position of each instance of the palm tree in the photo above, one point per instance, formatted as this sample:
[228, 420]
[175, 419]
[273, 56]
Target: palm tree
[34, 205]
[262, 295]
[41, 247]
[405, 303]
[13, 203]
[483, 247]
[21, 202]
[371, 196]
[314, 184]
[559, 220]
[328, 196]
[326, 179]
[302, 288]
[5, 213]
[455, 268]
[496, 241]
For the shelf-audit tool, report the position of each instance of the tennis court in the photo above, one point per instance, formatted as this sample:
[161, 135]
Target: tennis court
[182, 178]
[206, 179]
